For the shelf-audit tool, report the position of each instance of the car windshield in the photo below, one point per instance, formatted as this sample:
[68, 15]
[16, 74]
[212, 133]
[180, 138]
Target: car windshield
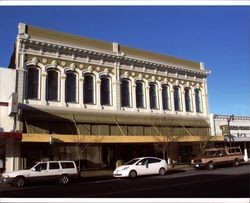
[131, 161]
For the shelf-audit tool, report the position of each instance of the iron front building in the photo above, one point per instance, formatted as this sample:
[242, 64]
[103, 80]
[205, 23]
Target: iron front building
[90, 100]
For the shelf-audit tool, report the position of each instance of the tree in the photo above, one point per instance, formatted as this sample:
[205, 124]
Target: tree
[163, 127]
[80, 141]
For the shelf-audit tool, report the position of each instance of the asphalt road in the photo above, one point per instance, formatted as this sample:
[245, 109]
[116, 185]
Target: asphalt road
[226, 182]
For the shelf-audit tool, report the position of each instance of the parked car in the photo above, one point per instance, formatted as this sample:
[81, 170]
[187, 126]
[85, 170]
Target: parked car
[61, 171]
[218, 156]
[141, 166]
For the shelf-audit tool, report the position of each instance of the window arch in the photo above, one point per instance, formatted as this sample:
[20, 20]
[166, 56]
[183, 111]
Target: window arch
[188, 99]
[52, 85]
[153, 95]
[32, 82]
[165, 97]
[88, 89]
[198, 100]
[177, 101]
[105, 90]
[139, 94]
[70, 86]
[125, 93]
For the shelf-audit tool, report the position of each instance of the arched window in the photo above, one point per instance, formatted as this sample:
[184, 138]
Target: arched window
[88, 89]
[52, 85]
[153, 95]
[105, 91]
[188, 99]
[139, 94]
[165, 97]
[198, 101]
[177, 101]
[33, 83]
[70, 87]
[125, 93]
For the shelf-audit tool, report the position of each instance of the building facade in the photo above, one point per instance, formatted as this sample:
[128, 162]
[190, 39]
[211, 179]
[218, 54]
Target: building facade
[234, 129]
[10, 139]
[98, 102]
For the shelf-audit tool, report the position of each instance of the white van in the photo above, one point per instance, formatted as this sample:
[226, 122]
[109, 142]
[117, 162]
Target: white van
[62, 171]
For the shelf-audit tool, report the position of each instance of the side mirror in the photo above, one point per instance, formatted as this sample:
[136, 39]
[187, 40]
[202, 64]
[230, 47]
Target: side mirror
[36, 169]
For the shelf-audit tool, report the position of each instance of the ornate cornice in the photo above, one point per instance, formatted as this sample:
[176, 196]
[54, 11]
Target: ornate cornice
[85, 54]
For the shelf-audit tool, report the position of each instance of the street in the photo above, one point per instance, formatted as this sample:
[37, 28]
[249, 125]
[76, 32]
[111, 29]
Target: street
[223, 182]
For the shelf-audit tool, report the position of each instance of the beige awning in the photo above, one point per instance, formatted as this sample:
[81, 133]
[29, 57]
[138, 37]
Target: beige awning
[114, 139]
[112, 117]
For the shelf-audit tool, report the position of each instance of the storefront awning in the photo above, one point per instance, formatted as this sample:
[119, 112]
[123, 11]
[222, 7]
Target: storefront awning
[113, 117]
[14, 135]
[57, 138]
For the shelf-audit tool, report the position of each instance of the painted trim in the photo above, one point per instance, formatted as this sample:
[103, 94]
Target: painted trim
[112, 139]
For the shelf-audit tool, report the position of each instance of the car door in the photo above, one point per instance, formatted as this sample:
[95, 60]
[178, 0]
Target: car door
[154, 165]
[38, 172]
[141, 167]
[54, 170]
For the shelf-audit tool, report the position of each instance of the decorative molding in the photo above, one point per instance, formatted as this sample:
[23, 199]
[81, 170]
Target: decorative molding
[52, 47]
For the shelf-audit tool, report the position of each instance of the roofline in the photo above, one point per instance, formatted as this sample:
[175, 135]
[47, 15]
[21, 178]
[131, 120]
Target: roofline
[36, 33]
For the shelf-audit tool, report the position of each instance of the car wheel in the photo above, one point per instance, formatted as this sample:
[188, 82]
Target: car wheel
[19, 181]
[64, 179]
[210, 165]
[162, 171]
[132, 174]
[236, 162]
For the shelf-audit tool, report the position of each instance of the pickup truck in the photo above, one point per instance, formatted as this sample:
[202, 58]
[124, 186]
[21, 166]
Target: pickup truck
[218, 156]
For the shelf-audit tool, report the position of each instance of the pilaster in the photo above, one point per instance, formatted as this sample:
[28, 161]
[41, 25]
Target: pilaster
[160, 98]
[147, 103]
[62, 90]
[171, 90]
[43, 88]
[182, 98]
[98, 93]
[81, 83]
[133, 96]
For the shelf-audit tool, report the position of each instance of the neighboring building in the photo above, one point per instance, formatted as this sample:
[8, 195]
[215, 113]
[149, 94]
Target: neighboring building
[97, 101]
[239, 129]
[9, 138]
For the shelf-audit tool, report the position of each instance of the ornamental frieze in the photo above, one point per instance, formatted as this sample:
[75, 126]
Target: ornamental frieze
[66, 64]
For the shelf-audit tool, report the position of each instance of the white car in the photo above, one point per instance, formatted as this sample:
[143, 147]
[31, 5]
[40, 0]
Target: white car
[62, 171]
[141, 166]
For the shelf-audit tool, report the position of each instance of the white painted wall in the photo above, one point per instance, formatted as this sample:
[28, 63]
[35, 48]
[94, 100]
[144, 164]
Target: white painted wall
[7, 86]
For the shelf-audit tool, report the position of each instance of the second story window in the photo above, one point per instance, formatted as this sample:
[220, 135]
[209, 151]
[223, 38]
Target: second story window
[153, 95]
[165, 97]
[33, 83]
[177, 101]
[139, 94]
[52, 85]
[188, 99]
[105, 91]
[125, 93]
[88, 89]
[198, 101]
[70, 87]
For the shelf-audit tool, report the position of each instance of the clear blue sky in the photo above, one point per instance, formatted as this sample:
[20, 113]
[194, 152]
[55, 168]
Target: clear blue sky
[217, 36]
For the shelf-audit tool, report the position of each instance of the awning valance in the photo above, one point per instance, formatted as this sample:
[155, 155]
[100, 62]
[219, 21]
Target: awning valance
[56, 138]
[14, 135]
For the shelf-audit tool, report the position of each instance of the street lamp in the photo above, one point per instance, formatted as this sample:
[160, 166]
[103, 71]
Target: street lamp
[229, 119]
